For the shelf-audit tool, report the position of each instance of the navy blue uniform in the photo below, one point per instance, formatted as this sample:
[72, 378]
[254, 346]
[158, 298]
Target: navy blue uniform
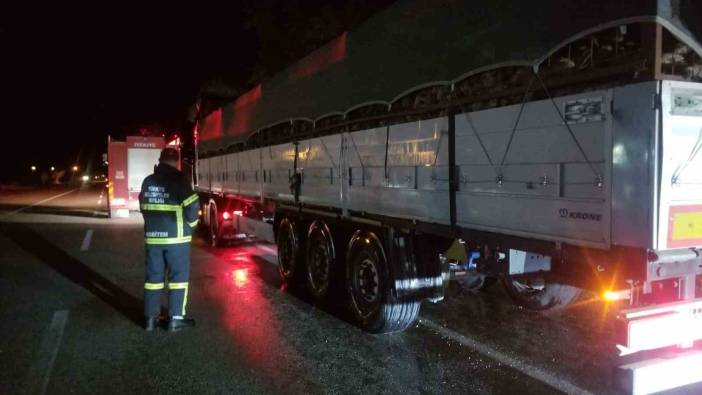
[169, 207]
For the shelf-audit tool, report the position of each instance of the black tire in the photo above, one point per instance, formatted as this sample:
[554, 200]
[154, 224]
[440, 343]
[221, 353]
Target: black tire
[288, 249]
[214, 235]
[202, 228]
[371, 302]
[319, 259]
[545, 296]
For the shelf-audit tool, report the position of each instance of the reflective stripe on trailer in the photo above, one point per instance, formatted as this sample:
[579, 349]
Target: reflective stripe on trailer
[168, 240]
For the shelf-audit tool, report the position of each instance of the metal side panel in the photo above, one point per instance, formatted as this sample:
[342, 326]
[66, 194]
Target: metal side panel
[278, 163]
[203, 183]
[216, 170]
[318, 162]
[208, 174]
[633, 164]
[414, 184]
[537, 179]
[680, 209]
[230, 168]
[140, 163]
[250, 168]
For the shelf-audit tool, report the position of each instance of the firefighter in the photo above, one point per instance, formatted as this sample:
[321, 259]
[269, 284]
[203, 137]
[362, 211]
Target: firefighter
[170, 210]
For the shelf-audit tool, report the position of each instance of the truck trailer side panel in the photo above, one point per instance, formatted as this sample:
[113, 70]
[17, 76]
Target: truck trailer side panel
[680, 212]
[401, 170]
[523, 170]
[319, 166]
[591, 180]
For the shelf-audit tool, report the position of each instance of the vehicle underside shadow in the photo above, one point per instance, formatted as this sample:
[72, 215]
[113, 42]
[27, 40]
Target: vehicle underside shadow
[74, 270]
[334, 304]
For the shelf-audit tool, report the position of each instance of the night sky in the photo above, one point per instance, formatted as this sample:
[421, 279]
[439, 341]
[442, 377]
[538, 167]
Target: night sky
[71, 76]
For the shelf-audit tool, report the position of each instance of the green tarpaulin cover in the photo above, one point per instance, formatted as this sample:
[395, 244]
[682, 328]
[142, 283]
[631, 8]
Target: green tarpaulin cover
[418, 42]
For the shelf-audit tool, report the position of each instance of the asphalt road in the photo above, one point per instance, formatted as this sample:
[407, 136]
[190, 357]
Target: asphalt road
[71, 284]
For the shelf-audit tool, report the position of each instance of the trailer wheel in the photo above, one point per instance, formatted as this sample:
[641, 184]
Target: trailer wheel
[214, 230]
[320, 257]
[538, 294]
[372, 304]
[287, 243]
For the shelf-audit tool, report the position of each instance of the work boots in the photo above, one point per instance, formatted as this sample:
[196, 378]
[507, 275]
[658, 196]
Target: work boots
[178, 324]
[174, 325]
[151, 323]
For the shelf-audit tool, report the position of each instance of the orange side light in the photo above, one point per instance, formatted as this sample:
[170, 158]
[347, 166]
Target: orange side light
[615, 295]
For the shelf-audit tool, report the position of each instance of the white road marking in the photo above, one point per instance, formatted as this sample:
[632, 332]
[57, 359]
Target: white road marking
[40, 202]
[86, 240]
[516, 364]
[40, 371]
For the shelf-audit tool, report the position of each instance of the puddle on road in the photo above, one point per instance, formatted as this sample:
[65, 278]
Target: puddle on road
[237, 288]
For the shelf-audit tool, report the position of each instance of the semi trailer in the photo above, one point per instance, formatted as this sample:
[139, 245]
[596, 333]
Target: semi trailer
[551, 147]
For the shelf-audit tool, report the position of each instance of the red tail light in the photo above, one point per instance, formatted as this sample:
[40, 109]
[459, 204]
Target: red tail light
[226, 215]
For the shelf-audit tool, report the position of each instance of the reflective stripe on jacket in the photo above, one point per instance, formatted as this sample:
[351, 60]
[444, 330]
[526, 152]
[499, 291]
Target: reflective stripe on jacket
[169, 207]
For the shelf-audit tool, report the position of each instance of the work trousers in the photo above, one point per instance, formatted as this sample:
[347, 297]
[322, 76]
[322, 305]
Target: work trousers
[174, 259]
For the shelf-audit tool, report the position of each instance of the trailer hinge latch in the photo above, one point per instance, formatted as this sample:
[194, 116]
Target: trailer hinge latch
[657, 101]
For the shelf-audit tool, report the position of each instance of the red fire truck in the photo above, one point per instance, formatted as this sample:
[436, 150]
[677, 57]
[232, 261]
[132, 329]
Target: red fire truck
[129, 162]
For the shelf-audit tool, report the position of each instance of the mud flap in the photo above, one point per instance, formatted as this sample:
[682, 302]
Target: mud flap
[415, 276]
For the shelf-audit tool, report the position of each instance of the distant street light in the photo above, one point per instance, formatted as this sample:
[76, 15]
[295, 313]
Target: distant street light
[52, 168]
[34, 168]
[86, 178]
[75, 168]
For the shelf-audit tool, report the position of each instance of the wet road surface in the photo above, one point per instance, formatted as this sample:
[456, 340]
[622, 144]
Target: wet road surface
[71, 292]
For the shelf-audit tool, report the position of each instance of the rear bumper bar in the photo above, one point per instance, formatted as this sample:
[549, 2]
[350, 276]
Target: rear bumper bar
[660, 374]
[659, 327]
[650, 328]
